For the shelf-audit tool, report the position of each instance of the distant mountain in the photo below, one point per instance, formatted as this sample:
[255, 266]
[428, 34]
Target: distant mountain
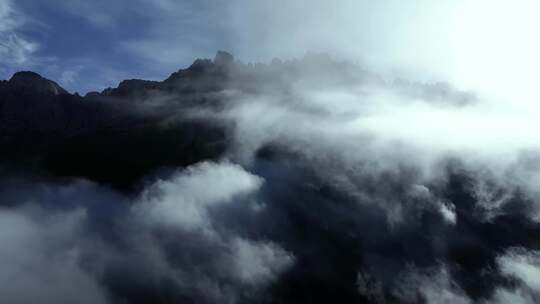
[122, 129]
[107, 136]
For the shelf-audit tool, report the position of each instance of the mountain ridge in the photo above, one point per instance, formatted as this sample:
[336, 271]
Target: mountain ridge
[44, 127]
[225, 63]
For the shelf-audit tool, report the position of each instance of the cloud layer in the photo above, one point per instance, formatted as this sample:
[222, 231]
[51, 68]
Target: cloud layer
[94, 246]
[336, 184]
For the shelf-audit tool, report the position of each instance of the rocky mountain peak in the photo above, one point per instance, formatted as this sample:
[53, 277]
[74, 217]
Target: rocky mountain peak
[223, 58]
[33, 82]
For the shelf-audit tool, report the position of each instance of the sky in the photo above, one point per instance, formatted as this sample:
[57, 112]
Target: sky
[90, 45]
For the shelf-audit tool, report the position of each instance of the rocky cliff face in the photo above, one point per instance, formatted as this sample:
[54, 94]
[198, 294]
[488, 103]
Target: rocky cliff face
[45, 128]
[30, 82]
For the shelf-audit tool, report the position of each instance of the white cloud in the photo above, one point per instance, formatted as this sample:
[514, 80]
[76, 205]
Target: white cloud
[6, 14]
[183, 200]
[68, 235]
[378, 127]
[40, 261]
[524, 265]
[258, 263]
[505, 296]
[15, 50]
[448, 212]
[445, 208]
[68, 77]
[434, 287]
[231, 265]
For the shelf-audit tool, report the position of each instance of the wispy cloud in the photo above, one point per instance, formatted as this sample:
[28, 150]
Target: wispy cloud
[183, 30]
[15, 49]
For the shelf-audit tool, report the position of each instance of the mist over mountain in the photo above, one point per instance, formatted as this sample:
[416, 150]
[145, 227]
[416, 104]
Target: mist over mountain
[140, 126]
[310, 180]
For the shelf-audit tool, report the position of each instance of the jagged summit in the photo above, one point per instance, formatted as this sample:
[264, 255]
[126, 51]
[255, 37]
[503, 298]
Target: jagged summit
[209, 72]
[25, 75]
[224, 71]
[223, 58]
[31, 81]
[200, 65]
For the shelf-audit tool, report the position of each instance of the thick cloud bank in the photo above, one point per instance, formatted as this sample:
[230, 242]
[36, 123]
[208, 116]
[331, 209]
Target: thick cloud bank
[305, 181]
[70, 243]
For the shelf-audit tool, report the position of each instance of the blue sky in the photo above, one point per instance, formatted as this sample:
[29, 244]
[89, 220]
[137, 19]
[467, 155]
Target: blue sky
[89, 45]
